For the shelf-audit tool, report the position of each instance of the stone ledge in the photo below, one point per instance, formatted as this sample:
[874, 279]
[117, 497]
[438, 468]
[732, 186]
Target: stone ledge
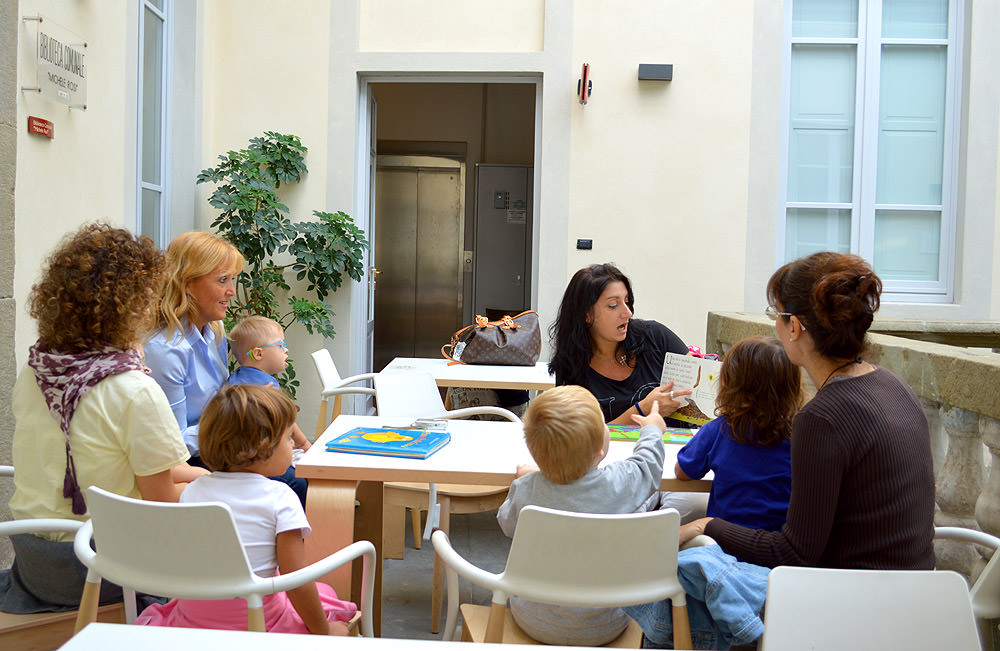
[959, 377]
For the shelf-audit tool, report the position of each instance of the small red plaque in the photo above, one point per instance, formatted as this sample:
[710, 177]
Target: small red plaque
[41, 127]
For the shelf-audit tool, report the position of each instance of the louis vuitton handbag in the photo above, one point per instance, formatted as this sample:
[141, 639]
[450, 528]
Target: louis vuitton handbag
[510, 341]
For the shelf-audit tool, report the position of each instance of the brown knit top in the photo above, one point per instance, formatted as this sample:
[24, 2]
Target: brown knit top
[862, 483]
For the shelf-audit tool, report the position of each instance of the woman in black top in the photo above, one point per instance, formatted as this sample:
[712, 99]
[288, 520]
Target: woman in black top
[599, 346]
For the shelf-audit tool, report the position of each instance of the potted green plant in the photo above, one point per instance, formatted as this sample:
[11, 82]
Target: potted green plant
[319, 251]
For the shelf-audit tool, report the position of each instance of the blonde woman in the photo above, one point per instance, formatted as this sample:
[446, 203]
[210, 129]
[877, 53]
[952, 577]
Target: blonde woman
[187, 352]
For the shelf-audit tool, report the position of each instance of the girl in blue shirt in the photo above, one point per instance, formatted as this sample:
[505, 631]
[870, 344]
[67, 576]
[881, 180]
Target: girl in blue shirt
[748, 446]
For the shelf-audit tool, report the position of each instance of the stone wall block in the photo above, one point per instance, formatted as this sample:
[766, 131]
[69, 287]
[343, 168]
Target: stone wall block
[960, 480]
[988, 504]
[939, 438]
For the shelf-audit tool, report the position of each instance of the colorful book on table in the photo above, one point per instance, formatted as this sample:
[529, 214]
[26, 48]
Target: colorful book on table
[390, 442]
[631, 433]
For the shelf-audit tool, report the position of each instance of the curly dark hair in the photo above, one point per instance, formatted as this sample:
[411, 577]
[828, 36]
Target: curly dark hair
[97, 289]
[760, 391]
[570, 333]
[834, 295]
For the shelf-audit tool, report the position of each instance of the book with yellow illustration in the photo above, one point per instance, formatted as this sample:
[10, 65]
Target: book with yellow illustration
[702, 377]
[409, 443]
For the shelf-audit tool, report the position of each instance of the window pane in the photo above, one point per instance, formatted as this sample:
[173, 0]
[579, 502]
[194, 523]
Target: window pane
[808, 230]
[152, 96]
[911, 124]
[907, 244]
[915, 18]
[156, 3]
[821, 142]
[149, 219]
[829, 18]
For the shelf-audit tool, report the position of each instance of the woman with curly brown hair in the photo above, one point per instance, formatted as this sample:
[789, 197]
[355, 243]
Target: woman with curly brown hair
[87, 413]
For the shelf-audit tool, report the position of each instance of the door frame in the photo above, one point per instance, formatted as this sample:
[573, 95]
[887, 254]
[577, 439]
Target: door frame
[363, 184]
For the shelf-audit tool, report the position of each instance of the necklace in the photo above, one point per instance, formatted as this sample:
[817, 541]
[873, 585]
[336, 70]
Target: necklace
[621, 358]
[856, 360]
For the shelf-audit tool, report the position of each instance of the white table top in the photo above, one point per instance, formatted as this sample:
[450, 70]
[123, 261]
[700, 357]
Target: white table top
[480, 452]
[482, 376]
[102, 637]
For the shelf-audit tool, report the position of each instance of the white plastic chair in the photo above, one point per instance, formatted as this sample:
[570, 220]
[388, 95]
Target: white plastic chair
[574, 559]
[46, 630]
[985, 591]
[335, 386]
[832, 610]
[416, 395]
[190, 551]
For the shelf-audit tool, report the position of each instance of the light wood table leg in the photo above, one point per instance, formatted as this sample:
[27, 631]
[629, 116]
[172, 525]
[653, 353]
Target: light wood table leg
[368, 526]
[331, 513]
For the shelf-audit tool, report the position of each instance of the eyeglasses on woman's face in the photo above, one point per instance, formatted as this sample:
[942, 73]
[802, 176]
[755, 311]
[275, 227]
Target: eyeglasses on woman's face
[773, 313]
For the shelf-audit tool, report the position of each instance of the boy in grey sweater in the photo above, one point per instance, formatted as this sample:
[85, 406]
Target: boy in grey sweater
[566, 435]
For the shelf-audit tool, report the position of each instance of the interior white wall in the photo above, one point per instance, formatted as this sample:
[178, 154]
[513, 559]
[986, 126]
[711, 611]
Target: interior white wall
[659, 169]
[86, 172]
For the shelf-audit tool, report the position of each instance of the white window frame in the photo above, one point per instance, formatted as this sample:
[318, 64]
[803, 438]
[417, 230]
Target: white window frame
[863, 206]
[161, 236]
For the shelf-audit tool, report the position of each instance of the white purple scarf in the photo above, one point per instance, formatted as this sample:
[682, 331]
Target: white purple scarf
[64, 379]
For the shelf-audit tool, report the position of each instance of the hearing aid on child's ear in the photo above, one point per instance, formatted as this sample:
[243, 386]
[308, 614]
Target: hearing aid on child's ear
[253, 354]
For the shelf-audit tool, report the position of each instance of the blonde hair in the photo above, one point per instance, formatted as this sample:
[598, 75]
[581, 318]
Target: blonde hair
[192, 255]
[251, 332]
[563, 428]
[242, 424]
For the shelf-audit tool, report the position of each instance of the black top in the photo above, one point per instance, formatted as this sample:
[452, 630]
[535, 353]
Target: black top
[652, 342]
[862, 483]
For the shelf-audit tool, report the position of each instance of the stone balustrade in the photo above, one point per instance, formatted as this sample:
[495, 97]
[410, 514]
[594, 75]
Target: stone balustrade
[960, 391]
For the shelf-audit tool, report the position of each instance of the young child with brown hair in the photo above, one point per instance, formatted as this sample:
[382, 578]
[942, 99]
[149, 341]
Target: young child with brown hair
[259, 346]
[566, 435]
[245, 437]
[748, 446]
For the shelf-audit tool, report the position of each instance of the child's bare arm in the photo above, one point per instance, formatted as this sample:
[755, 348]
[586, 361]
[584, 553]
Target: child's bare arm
[299, 439]
[680, 474]
[292, 556]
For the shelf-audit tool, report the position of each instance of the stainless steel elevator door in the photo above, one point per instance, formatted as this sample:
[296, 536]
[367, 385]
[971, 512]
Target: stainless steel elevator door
[418, 238]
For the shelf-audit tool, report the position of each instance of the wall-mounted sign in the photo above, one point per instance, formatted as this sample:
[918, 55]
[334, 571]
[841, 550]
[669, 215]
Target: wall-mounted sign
[60, 64]
[41, 127]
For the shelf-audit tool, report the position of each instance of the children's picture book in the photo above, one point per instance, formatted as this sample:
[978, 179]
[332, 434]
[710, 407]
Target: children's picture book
[696, 373]
[679, 435]
[416, 443]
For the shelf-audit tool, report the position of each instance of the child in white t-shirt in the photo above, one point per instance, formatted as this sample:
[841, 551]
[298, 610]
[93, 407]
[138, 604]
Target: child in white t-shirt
[246, 437]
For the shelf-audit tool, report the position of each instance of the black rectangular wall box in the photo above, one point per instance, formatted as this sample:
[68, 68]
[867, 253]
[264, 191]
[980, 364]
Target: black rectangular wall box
[585, 245]
[656, 71]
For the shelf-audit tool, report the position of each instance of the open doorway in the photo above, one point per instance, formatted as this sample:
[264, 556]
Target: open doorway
[452, 206]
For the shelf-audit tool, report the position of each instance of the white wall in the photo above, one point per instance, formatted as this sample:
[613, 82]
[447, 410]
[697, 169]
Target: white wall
[87, 171]
[659, 169]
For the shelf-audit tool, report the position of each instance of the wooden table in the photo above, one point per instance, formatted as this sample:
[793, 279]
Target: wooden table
[480, 452]
[477, 376]
[101, 637]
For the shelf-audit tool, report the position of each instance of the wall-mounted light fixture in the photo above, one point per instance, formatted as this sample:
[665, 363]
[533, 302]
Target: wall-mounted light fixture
[583, 85]
[656, 71]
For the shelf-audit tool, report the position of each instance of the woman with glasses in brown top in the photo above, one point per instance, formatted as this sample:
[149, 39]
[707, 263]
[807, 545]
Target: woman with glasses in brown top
[862, 476]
